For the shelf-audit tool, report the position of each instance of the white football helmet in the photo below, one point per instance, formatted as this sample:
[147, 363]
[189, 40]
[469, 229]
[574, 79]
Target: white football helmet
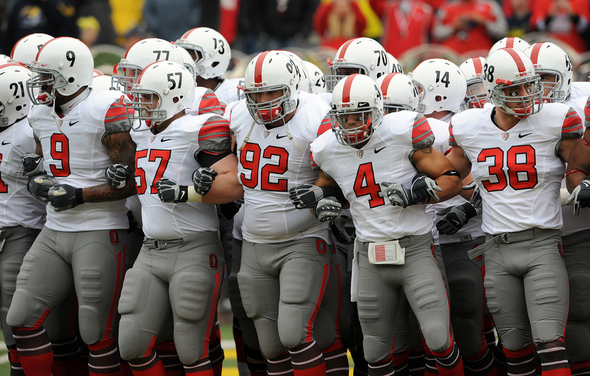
[14, 101]
[167, 81]
[476, 96]
[442, 85]
[317, 81]
[359, 96]
[550, 59]
[508, 68]
[270, 71]
[364, 55]
[304, 81]
[63, 65]
[399, 92]
[139, 56]
[393, 66]
[25, 50]
[510, 42]
[4, 59]
[212, 51]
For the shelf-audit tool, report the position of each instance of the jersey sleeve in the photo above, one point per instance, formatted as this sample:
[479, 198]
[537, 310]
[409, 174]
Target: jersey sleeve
[452, 140]
[572, 125]
[214, 136]
[422, 135]
[116, 119]
[587, 113]
[210, 104]
[325, 125]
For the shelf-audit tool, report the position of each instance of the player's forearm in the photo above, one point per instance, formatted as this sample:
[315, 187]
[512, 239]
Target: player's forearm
[103, 193]
[450, 185]
[225, 188]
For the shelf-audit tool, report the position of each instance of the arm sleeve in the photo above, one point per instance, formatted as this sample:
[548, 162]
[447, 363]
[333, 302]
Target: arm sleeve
[572, 125]
[214, 141]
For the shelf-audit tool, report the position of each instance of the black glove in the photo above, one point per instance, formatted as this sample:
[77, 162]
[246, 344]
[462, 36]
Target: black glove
[39, 186]
[116, 175]
[33, 164]
[170, 191]
[64, 197]
[203, 179]
[456, 218]
[327, 209]
[342, 233]
[305, 195]
[580, 196]
[229, 210]
[424, 188]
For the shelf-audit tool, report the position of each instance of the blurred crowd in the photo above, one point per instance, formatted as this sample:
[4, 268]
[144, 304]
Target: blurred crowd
[250, 26]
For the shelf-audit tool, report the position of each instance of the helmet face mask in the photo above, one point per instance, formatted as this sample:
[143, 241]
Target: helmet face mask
[276, 72]
[62, 67]
[164, 89]
[511, 83]
[356, 110]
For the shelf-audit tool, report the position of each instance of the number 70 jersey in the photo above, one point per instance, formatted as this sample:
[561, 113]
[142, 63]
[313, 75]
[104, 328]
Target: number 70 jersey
[518, 171]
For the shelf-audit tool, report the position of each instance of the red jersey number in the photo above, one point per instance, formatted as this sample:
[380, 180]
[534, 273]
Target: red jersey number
[365, 184]
[520, 162]
[155, 155]
[274, 160]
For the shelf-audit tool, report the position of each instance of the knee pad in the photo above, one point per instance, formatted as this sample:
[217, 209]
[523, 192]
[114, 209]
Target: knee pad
[468, 336]
[92, 324]
[132, 343]
[437, 335]
[547, 330]
[293, 329]
[515, 339]
[375, 350]
[24, 309]
[96, 295]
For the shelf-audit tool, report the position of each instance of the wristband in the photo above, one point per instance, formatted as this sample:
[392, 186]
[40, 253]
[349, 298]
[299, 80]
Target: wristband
[193, 196]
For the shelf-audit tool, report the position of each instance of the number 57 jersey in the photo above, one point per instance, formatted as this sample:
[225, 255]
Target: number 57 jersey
[518, 171]
[271, 161]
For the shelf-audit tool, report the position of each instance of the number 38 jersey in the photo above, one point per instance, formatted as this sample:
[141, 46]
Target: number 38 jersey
[171, 154]
[385, 158]
[75, 155]
[271, 161]
[518, 171]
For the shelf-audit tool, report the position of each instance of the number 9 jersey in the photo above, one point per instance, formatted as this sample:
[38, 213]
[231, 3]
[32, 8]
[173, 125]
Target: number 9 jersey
[518, 171]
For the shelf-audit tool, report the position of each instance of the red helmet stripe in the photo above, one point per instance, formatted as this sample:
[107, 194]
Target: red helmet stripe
[344, 48]
[385, 83]
[477, 66]
[510, 42]
[519, 63]
[535, 52]
[258, 67]
[346, 89]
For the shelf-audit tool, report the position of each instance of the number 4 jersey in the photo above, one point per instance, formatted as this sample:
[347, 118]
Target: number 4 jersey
[518, 171]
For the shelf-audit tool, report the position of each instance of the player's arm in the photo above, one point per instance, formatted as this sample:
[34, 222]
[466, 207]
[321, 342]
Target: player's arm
[433, 163]
[577, 154]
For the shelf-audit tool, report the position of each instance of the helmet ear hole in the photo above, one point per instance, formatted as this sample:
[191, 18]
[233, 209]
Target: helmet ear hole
[71, 80]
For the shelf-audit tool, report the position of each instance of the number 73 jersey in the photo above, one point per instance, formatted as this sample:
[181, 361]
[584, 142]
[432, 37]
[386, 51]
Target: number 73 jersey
[518, 171]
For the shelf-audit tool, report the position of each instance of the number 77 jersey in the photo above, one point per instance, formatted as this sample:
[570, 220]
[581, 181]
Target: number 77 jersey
[519, 171]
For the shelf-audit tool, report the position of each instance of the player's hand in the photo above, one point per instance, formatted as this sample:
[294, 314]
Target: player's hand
[63, 197]
[305, 195]
[343, 234]
[327, 209]
[203, 179]
[116, 175]
[455, 218]
[33, 164]
[39, 186]
[580, 196]
[171, 192]
[424, 188]
[398, 195]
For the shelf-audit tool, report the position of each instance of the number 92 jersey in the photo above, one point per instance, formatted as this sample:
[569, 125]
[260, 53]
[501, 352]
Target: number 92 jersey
[518, 171]
[273, 160]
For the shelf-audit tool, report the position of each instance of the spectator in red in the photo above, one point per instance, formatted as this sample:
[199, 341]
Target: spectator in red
[469, 25]
[566, 20]
[337, 21]
[406, 24]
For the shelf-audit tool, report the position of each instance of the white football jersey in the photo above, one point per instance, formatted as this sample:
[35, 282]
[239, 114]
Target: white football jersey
[17, 206]
[580, 89]
[271, 161]
[75, 155]
[473, 228]
[204, 102]
[385, 158]
[227, 91]
[518, 171]
[171, 154]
